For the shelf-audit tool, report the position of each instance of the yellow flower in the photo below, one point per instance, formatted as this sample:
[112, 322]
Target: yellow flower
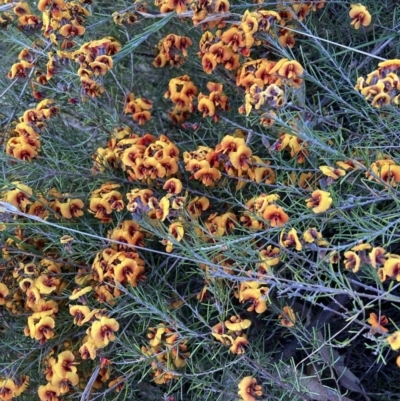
[248, 389]
[332, 172]
[103, 330]
[3, 293]
[360, 15]
[275, 215]
[352, 261]
[320, 201]
[48, 392]
[391, 268]
[394, 340]
[290, 239]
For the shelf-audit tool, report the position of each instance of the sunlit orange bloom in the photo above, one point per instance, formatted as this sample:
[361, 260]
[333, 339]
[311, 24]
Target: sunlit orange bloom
[241, 158]
[79, 313]
[248, 389]
[290, 239]
[7, 389]
[48, 392]
[142, 117]
[290, 69]
[288, 318]
[19, 197]
[74, 29]
[65, 364]
[206, 106]
[377, 257]
[46, 284]
[103, 330]
[100, 208]
[302, 10]
[275, 215]
[332, 172]
[173, 186]
[128, 271]
[208, 62]
[44, 329]
[208, 175]
[71, 208]
[352, 261]
[64, 383]
[21, 9]
[394, 340]
[377, 324]
[320, 201]
[391, 267]
[360, 15]
[3, 293]
[390, 174]
[197, 205]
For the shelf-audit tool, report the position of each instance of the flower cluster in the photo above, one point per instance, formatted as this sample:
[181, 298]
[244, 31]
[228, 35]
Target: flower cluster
[182, 92]
[25, 141]
[168, 350]
[231, 333]
[382, 86]
[105, 200]
[262, 79]
[168, 49]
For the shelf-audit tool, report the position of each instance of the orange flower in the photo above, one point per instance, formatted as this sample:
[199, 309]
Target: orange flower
[79, 312]
[352, 261]
[320, 201]
[291, 69]
[3, 293]
[48, 392]
[206, 106]
[208, 175]
[238, 346]
[65, 364]
[377, 257]
[288, 318]
[64, 383]
[173, 186]
[391, 268]
[241, 159]
[377, 324]
[71, 208]
[43, 330]
[208, 62]
[275, 215]
[360, 15]
[248, 389]
[103, 330]
[7, 389]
